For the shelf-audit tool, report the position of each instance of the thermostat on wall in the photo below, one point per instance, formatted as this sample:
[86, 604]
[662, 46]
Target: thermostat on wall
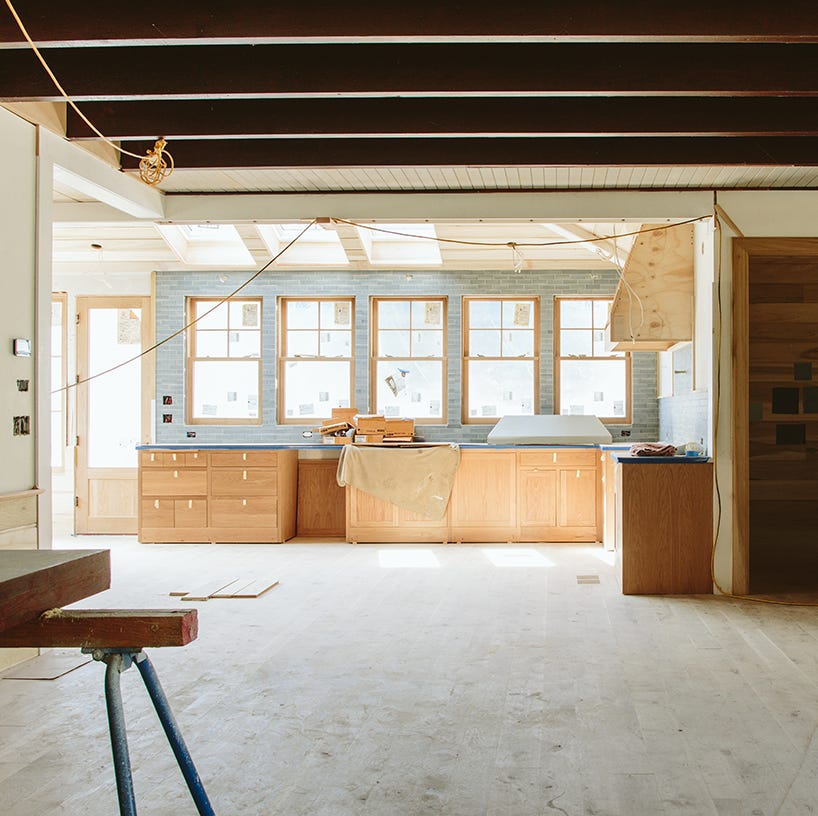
[22, 347]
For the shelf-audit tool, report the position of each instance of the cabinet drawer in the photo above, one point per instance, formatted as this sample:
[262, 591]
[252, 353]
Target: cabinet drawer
[243, 482]
[561, 458]
[190, 512]
[172, 459]
[263, 458]
[157, 512]
[252, 512]
[174, 482]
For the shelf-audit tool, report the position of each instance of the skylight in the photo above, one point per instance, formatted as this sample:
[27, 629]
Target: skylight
[207, 244]
[318, 245]
[385, 247]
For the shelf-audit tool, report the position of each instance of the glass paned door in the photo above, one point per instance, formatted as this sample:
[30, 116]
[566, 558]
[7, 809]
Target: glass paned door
[112, 411]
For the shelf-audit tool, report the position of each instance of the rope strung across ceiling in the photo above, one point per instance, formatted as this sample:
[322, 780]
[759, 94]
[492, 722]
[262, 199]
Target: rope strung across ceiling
[154, 166]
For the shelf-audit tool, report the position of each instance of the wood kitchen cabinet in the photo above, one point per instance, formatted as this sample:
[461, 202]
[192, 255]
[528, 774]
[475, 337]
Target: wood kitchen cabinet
[483, 504]
[558, 495]
[217, 495]
[664, 527]
[370, 519]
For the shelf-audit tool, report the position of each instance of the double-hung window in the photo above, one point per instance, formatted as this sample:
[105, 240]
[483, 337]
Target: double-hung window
[408, 362]
[501, 341]
[315, 357]
[224, 361]
[588, 378]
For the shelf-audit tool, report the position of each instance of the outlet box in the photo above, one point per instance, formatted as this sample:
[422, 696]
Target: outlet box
[22, 426]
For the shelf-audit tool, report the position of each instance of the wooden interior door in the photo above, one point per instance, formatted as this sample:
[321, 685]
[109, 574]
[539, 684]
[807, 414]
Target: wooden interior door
[775, 414]
[113, 410]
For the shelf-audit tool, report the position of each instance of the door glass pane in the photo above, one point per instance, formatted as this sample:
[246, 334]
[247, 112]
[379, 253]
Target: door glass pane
[114, 400]
[500, 387]
[410, 388]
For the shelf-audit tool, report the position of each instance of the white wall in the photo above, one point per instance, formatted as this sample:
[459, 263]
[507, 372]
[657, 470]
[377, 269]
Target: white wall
[18, 146]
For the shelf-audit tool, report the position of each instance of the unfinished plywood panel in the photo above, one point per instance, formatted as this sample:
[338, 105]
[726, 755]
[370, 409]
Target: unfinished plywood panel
[321, 505]
[655, 309]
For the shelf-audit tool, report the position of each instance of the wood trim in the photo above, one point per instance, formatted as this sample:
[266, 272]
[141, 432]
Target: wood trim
[62, 299]
[282, 359]
[465, 419]
[628, 418]
[374, 359]
[190, 359]
[740, 395]
[21, 494]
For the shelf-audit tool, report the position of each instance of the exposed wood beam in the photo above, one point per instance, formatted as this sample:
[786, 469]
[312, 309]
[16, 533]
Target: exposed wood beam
[78, 170]
[507, 152]
[608, 249]
[606, 69]
[357, 20]
[463, 116]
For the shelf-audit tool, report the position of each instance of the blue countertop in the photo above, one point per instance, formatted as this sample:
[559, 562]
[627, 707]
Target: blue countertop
[628, 459]
[313, 446]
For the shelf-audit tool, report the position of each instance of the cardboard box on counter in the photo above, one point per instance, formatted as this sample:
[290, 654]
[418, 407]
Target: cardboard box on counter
[344, 415]
[371, 424]
[368, 439]
[400, 427]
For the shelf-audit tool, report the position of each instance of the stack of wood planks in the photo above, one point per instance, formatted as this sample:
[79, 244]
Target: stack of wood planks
[227, 588]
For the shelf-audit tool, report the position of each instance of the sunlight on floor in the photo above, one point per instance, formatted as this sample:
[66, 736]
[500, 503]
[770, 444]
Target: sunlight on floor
[416, 559]
[515, 557]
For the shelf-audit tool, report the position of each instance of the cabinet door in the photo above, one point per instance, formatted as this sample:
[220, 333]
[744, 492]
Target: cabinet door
[369, 511]
[484, 497]
[538, 497]
[156, 512]
[577, 505]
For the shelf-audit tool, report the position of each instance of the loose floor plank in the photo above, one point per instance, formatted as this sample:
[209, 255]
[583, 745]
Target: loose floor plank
[256, 589]
[208, 589]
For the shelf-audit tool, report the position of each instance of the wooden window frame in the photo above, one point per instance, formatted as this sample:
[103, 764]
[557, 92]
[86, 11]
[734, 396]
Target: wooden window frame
[281, 314]
[535, 359]
[62, 298]
[623, 420]
[191, 358]
[374, 359]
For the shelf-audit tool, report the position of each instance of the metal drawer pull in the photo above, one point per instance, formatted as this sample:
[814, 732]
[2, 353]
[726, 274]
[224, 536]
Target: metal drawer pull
[174, 456]
[244, 475]
[244, 456]
[577, 474]
[175, 474]
[153, 457]
[555, 457]
[244, 502]
[156, 505]
[190, 504]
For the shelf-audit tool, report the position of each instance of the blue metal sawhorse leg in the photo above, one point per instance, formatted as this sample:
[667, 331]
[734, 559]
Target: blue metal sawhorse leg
[120, 660]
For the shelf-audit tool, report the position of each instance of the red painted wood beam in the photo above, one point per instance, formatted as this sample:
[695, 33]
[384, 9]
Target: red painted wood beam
[576, 69]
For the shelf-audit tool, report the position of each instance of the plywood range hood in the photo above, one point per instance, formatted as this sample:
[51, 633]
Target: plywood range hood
[653, 306]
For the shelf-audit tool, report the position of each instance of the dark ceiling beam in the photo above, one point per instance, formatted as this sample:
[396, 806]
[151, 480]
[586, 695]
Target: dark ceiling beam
[277, 118]
[261, 20]
[549, 152]
[188, 72]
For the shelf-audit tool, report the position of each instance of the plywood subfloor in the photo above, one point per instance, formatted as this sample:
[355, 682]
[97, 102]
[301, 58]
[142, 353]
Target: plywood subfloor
[459, 681]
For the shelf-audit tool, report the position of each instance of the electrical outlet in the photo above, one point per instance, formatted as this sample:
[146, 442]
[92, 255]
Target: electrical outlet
[22, 426]
[167, 418]
[191, 434]
[625, 433]
[22, 385]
